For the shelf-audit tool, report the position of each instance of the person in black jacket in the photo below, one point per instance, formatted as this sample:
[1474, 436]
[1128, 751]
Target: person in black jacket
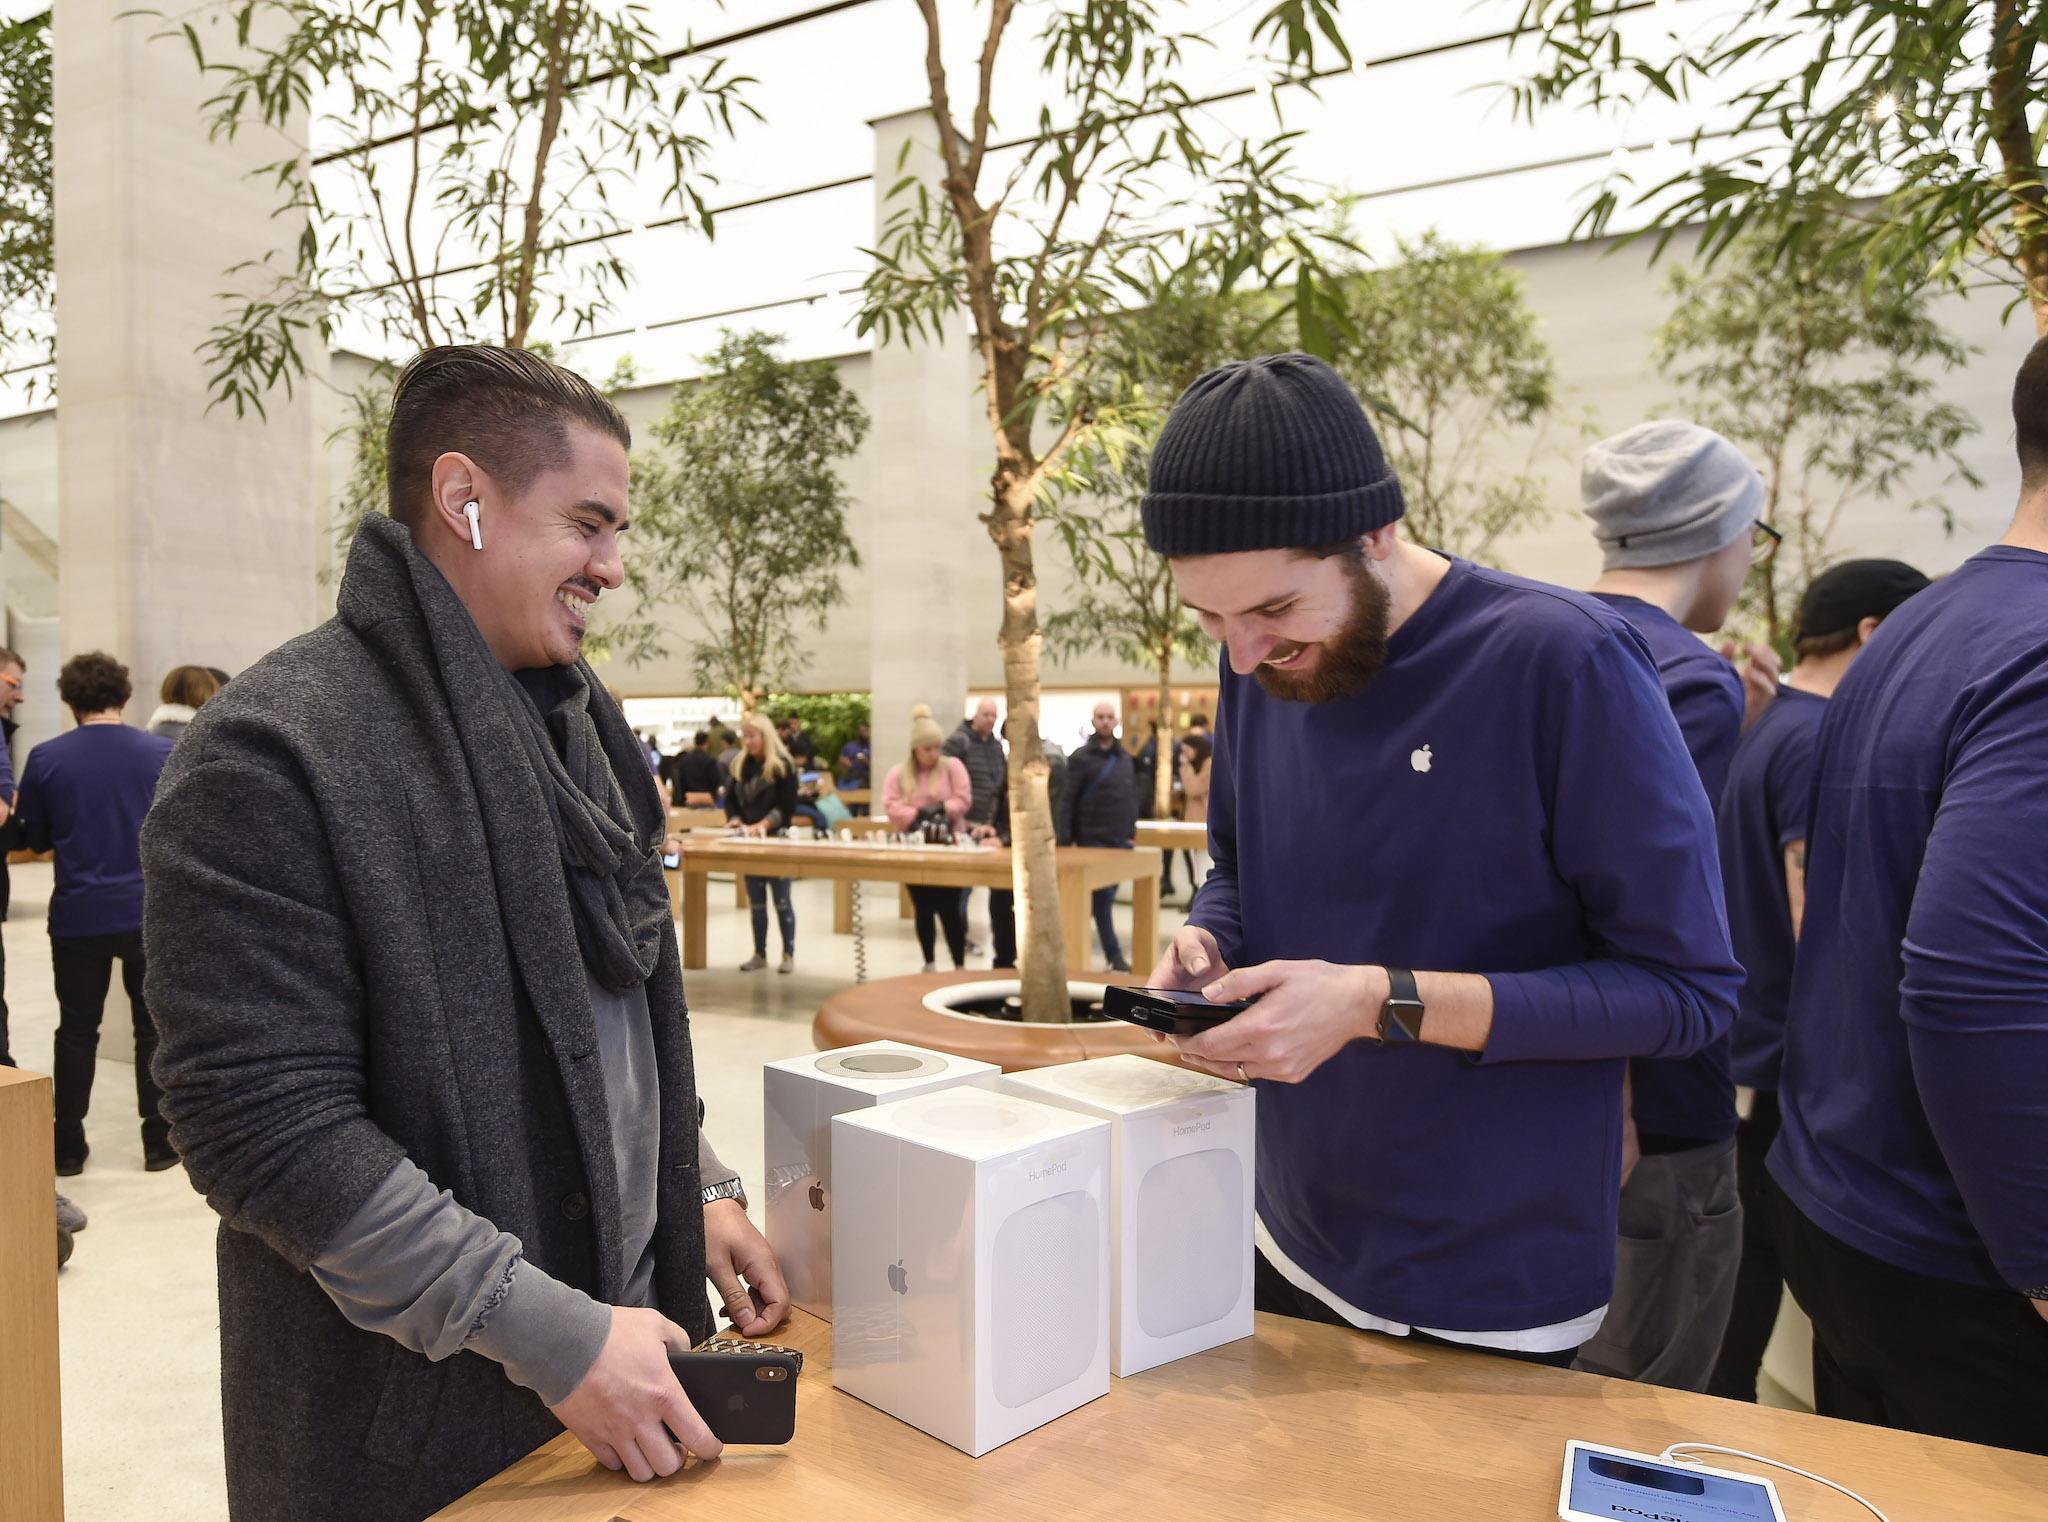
[761, 799]
[1002, 902]
[1102, 810]
[694, 772]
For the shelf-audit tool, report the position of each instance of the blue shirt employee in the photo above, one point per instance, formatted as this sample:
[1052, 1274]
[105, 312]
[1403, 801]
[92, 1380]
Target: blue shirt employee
[1913, 1160]
[1463, 863]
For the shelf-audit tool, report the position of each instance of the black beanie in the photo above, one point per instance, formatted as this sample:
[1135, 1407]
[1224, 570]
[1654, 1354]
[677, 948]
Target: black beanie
[1266, 454]
[1842, 596]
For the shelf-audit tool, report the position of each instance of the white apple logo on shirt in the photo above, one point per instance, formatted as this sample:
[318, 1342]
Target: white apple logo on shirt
[1419, 759]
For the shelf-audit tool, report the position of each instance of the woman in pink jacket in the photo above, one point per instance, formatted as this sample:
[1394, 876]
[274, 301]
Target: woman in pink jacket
[931, 783]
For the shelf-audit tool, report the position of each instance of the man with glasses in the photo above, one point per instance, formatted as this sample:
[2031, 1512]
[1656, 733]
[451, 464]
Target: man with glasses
[1675, 508]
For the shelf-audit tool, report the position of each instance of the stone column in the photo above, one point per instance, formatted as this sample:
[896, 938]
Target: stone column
[931, 456]
[185, 536]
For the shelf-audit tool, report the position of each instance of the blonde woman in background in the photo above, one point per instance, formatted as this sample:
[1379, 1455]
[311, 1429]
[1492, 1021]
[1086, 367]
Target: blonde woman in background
[928, 781]
[761, 800]
[185, 690]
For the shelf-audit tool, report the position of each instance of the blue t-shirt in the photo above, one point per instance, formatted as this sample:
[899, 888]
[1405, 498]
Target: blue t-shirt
[84, 795]
[1914, 1098]
[1763, 811]
[1690, 1100]
[1509, 797]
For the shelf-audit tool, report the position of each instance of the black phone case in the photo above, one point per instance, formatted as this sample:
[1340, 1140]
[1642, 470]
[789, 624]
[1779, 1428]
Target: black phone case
[1133, 1005]
[745, 1391]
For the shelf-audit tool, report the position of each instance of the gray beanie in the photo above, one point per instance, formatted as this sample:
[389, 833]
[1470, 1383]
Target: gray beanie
[1665, 492]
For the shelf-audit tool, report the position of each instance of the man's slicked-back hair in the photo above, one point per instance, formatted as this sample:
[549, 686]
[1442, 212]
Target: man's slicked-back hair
[507, 409]
[2030, 416]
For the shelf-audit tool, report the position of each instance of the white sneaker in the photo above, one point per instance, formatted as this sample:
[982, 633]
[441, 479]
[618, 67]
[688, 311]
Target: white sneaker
[975, 948]
[931, 967]
[788, 963]
[754, 963]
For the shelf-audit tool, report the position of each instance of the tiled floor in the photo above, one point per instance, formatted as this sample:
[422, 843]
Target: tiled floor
[139, 1317]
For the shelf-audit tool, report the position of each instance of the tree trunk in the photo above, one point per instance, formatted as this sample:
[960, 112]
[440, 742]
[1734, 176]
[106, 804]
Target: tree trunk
[2011, 92]
[1169, 730]
[1041, 946]
[552, 91]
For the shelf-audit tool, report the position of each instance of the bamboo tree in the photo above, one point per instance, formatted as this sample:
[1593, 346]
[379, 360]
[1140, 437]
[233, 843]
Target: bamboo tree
[1831, 383]
[1901, 141]
[742, 504]
[27, 252]
[1039, 243]
[491, 144]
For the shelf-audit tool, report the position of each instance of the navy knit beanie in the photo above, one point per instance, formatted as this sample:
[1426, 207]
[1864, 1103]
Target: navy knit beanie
[1266, 454]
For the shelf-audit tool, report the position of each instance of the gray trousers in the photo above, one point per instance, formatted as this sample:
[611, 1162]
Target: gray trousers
[1675, 1269]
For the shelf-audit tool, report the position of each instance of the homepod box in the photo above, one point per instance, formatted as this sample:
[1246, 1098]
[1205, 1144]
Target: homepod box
[800, 1098]
[1182, 1154]
[970, 1263]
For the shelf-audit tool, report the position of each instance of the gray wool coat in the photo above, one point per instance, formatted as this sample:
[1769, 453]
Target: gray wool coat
[355, 953]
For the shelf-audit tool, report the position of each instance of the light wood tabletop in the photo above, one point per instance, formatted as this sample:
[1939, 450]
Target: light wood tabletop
[1082, 869]
[1301, 1421]
[1173, 835]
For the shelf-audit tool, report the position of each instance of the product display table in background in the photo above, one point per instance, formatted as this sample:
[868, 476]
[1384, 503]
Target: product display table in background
[1173, 835]
[1300, 1421]
[1082, 869]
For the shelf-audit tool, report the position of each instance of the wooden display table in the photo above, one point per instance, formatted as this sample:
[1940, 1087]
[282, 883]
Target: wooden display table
[31, 1447]
[1173, 835]
[1301, 1421]
[1082, 870]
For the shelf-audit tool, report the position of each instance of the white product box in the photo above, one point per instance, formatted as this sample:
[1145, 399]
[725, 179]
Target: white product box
[1182, 1166]
[970, 1259]
[800, 1098]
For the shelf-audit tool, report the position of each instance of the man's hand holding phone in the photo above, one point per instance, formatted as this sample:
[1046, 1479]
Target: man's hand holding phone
[629, 1411]
[1306, 1013]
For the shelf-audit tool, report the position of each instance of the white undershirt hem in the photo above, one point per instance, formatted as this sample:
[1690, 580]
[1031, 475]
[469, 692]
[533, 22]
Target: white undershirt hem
[1535, 1339]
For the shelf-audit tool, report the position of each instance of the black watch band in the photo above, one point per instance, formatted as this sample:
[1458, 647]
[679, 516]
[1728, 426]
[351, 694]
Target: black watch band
[1401, 1016]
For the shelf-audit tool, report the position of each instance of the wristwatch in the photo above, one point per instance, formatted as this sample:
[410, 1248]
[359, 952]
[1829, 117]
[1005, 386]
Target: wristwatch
[1401, 1016]
[731, 1189]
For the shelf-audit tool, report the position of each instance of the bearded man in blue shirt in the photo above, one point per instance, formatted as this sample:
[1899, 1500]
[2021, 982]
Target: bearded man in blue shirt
[1464, 865]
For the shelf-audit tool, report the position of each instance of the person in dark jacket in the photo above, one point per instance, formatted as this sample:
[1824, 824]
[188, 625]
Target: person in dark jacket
[1002, 902]
[760, 798]
[1102, 809]
[695, 773]
[978, 745]
[424, 1043]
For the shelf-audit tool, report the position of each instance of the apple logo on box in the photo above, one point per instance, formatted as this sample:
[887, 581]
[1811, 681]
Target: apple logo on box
[817, 1196]
[1420, 759]
[899, 1281]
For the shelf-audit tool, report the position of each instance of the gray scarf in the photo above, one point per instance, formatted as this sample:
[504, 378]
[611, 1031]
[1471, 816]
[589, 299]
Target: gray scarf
[602, 802]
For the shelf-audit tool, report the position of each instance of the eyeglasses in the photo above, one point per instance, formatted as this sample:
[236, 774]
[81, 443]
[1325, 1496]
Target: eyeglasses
[1763, 542]
[10, 681]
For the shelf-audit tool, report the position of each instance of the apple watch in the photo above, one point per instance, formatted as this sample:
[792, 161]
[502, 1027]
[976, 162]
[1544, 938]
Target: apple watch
[1401, 1016]
[732, 1189]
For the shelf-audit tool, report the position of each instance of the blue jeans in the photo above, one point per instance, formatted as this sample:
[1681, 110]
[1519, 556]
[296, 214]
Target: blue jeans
[1105, 924]
[785, 913]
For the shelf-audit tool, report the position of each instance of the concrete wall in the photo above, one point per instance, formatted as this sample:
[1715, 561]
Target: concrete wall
[1598, 309]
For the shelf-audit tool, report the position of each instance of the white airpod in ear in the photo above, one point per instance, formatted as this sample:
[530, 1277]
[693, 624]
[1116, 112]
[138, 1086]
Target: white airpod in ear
[476, 533]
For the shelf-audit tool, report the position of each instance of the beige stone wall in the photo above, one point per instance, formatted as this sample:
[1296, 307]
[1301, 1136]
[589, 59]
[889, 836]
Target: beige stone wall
[1598, 309]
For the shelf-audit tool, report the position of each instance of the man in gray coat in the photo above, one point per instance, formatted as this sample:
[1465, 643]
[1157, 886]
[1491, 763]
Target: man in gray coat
[424, 1041]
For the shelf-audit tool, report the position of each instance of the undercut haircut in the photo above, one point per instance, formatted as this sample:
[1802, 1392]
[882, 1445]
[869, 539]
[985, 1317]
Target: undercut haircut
[507, 409]
[2030, 417]
[94, 683]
